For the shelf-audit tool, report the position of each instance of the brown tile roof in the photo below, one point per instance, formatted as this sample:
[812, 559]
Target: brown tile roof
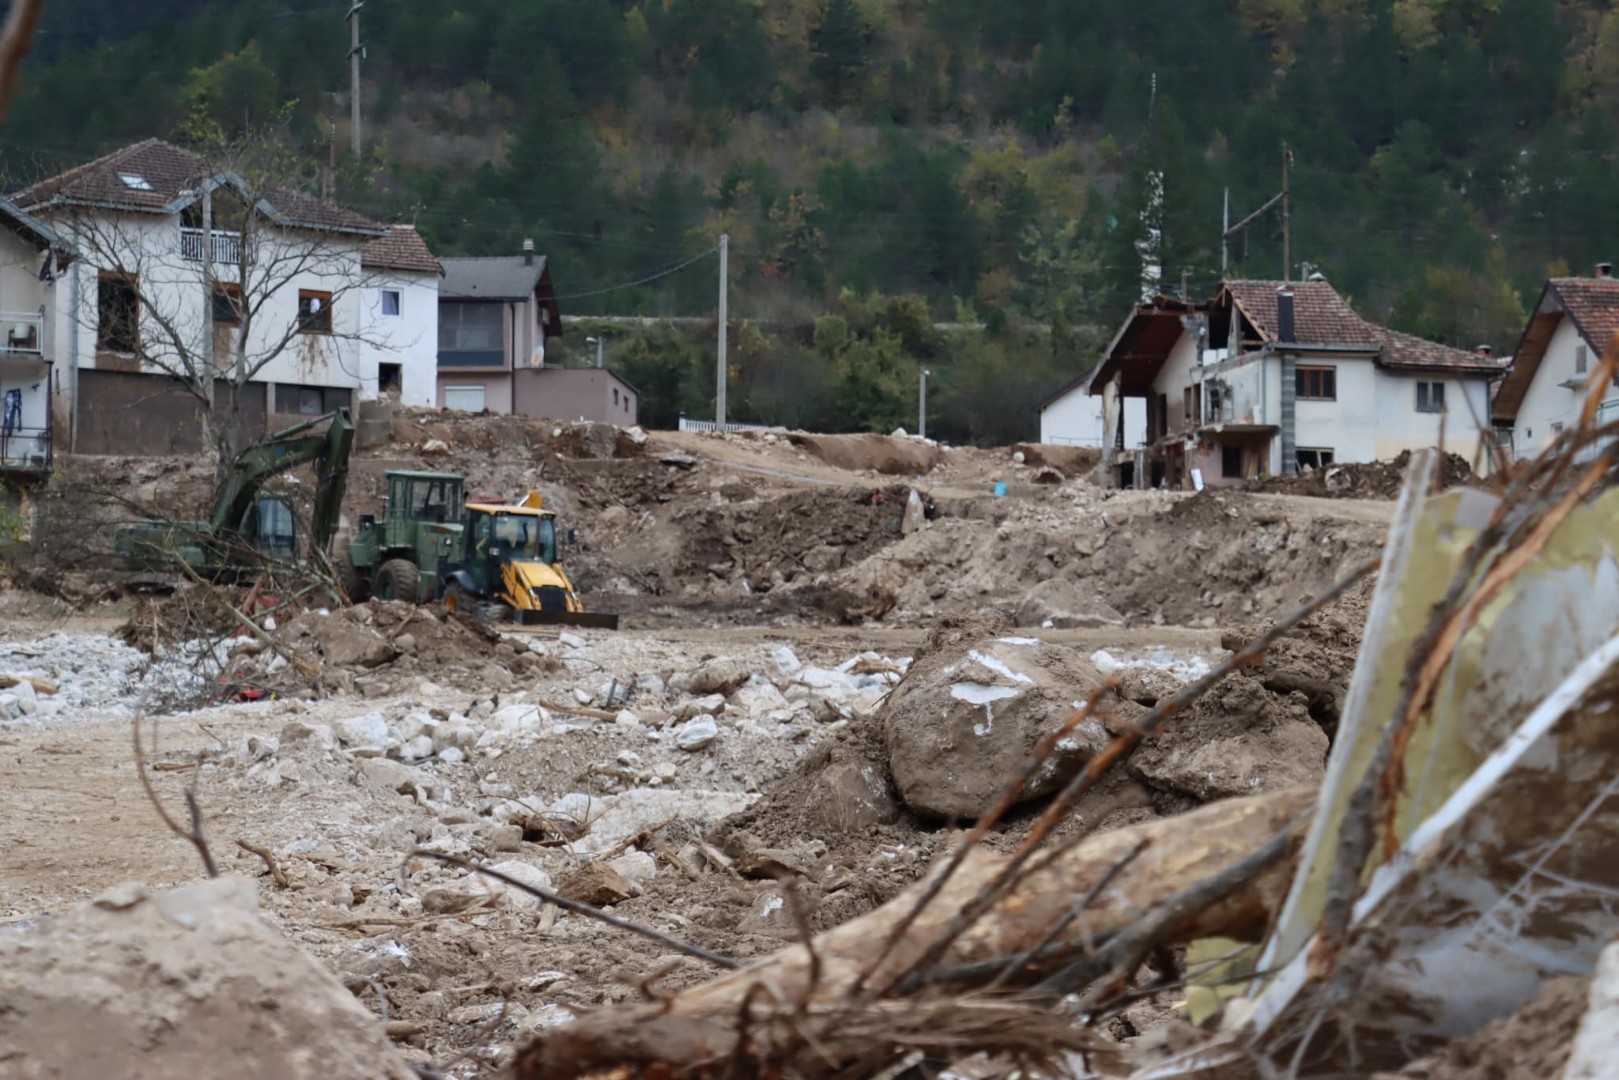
[1322, 317]
[402, 249]
[149, 176]
[1592, 304]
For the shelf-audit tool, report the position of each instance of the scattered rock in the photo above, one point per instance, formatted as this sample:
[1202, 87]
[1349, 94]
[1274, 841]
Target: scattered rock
[598, 885]
[528, 874]
[637, 867]
[367, 729]
[715, 677]
[915, 514]
[697, 733]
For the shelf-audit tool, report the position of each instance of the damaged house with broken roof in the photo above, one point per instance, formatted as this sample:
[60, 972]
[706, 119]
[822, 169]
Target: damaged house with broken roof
[1269, 378]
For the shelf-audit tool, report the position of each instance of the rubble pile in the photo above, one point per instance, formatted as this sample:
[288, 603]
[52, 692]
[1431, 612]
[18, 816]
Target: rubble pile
[1372, 480]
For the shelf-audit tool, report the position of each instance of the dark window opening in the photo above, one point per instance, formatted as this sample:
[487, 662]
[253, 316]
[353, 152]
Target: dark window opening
[1231, 462]
[390, 301]
[310, 400]
[118, 314]
[1430, 397]
[227, 305]
[314, 312]
[390, 377]
[1314, 459]
[1315, 384]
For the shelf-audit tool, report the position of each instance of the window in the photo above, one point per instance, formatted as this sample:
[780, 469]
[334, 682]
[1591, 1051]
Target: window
[1581, 359]
[1315, 383]
[470, 335]
[314, 312]
[135, 181]
[304, 400]
[227, 305]
[1187, 397]
[1313, 459]
[615, 395]
[390, 378]
[1430, 397]
[118, 314]
[465, 398]
[1231, 461]
[626, 403]
[390, 301]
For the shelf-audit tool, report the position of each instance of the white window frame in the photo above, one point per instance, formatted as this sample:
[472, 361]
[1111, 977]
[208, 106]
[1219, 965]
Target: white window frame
[383, 302]
[1430, 396]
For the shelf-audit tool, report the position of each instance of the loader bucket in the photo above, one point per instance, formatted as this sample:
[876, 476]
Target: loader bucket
[590, 620]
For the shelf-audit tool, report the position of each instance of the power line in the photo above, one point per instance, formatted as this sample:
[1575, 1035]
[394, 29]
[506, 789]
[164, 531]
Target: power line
[641, 281]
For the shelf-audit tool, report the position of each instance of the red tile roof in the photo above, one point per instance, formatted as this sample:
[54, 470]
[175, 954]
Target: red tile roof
[402, 249]
[1592, 304]
[1322, 317]
[149, 176]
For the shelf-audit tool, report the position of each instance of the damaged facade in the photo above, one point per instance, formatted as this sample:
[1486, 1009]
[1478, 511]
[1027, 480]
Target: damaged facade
[1546, 388]
[131, 283]
[1271, 377]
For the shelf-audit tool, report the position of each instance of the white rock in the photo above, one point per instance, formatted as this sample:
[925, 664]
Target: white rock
[711, 705]
[759, 697]
[10, 706]
[572, 641]
[582, 696]
[451, 754]
[638, 866]
[529, 875]
[786, 661]
[367, 729]
[627, 719]
[417, 749]
[697, 733]
[1018, 458]
[520, 718]
[27, 700]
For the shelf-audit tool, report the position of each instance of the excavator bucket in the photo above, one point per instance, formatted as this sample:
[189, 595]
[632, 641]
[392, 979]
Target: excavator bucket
[590, 620]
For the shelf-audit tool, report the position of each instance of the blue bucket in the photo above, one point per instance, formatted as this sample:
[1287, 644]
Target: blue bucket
[1000, 487]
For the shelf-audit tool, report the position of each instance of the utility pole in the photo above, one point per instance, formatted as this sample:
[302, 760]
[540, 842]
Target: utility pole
[922, 407]
[596, 341]
[354, 71]
[1225, 232]
[1287, 238]
[719, 363]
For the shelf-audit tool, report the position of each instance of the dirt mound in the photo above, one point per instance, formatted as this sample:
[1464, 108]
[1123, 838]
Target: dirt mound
[179, 984]
[891, 455]
[1072, 460]
[1535, 1041]
[1371, 480]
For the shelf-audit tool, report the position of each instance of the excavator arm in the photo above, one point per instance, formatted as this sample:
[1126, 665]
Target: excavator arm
[288, 449]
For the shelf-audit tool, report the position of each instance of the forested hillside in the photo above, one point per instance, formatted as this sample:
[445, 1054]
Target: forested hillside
[987, 158]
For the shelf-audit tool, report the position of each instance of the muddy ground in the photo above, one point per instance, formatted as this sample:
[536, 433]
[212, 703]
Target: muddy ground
[773, 595]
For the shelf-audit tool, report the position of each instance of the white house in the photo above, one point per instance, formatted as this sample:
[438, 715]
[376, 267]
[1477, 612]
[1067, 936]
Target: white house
[1271, 377]
[32, 258]
[185, 273]
[1072, 417]
[1543, 393]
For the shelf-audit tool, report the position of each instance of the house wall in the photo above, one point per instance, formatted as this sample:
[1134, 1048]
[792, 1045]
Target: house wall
[1401, 427]
[1075, 419]
[1180, 370]
[1547, 401]
[1350, 425]
[409, 339]
[575, 393]
[129, 413]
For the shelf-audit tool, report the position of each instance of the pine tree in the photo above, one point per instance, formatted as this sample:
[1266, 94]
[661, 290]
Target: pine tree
[841, 46]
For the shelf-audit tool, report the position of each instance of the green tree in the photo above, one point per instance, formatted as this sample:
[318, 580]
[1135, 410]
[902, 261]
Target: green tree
[841, 45]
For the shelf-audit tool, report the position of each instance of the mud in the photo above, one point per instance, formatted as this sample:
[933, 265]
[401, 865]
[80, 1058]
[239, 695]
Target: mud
[1374, 480]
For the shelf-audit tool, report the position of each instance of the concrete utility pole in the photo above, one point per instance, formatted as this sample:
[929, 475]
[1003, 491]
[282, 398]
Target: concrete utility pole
[719, 364]
[922, 407]
[1225, 233]
[1287, 238]
[354, 71]
[596, 341]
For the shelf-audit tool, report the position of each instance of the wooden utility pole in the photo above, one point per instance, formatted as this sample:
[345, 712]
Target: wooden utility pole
[1287, 235]
[719, 363]
[354, 72]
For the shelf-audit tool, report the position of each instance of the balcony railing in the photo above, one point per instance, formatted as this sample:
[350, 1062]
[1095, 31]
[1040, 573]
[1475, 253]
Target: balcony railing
[25, 448]
[224, 247]
[20, 331]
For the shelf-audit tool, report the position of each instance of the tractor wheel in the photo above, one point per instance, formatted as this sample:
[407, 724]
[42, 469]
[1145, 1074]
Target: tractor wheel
[396, 580]
[348, 575]
[456, 599]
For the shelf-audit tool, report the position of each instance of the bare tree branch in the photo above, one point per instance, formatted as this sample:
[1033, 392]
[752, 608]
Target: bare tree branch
[15, 43]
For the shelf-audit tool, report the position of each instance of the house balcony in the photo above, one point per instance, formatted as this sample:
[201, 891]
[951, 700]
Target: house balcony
[220, 247]
[25, 415]
[22, 332]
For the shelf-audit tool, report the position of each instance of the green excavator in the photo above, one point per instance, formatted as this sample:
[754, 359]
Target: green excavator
[249, 528]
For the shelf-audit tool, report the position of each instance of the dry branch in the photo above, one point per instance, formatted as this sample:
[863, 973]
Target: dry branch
[15, 43]
[798, 1011]
[264, 853]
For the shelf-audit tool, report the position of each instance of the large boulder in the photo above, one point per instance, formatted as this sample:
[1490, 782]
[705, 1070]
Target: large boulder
[965, 718]
[188, 982]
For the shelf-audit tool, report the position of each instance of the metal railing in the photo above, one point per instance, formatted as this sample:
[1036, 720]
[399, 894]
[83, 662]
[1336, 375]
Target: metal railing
[1074, 440]
[21, 331]
[25, 448]
[225, 247]
[710, 425]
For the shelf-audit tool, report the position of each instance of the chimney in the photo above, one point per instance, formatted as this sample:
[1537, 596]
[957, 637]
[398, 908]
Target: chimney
[1484, 352]
[528, 253]
[1284, 316]
[1604, 270]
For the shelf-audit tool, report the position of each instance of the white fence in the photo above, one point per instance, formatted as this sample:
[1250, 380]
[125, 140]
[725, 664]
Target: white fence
[710, 425]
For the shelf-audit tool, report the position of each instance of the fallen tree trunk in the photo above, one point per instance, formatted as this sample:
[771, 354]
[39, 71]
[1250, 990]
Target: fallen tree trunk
[41, 686]
[800, 1012]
